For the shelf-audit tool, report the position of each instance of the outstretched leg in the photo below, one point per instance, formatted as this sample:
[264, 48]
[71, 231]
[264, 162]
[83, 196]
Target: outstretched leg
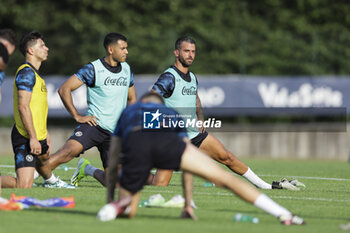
[213, 147]
[66, 153]
[197, 163]
[84, 168]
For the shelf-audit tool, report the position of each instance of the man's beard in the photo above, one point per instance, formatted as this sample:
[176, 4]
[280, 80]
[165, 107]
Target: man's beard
[183, 62]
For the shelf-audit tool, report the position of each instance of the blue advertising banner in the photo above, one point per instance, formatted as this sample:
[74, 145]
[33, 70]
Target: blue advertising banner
[234, 95]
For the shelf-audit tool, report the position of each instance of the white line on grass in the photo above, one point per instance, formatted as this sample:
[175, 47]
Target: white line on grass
[275, 197]
[311, 177]
[310, 198]
[301, 177]
[7, 166]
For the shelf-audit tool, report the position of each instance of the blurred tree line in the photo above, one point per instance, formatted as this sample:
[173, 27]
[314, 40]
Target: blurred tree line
[266, 37]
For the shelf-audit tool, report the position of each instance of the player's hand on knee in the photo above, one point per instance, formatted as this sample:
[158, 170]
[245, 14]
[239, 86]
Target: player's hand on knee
[91, 120]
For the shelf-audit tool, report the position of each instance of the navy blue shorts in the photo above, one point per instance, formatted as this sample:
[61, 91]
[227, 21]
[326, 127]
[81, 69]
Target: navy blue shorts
[21, 148]
[197, 140]
[144, 150]
[90, 136]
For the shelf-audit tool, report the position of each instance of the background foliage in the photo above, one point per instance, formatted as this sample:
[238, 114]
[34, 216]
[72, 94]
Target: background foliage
[267, 37]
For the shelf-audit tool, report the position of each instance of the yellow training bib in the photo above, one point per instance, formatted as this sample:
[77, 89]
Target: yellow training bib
[38, 106]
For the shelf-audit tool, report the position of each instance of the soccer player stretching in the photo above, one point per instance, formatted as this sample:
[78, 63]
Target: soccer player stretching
[110, 86]
[30, 139]
[167, 148]
[171, 85]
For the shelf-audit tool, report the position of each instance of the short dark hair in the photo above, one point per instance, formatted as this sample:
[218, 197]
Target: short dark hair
[9, 35]
[28, 40]
[4, 53]
[184, 39]
[151, 94]
[111, 38]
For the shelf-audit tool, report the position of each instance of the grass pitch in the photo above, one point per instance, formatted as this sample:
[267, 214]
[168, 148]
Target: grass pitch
[324, 204]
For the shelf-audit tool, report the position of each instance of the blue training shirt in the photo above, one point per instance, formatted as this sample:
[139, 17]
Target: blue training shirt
[87, 73]
[165, 84]
[107, 90]
[25, 79]
[132, 117]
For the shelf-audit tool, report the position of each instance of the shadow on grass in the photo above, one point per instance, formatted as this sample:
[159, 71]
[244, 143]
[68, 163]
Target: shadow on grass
[94, 213]
[63, 211]
[164, 217]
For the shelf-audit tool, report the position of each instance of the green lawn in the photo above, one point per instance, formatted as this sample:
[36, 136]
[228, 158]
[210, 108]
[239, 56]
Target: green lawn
[324, 204]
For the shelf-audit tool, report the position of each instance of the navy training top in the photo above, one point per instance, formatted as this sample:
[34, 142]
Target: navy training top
[133, 116]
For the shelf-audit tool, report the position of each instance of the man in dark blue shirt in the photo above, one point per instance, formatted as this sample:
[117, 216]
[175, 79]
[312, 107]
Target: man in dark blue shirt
[149, 134]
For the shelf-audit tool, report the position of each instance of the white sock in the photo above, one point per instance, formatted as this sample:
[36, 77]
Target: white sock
[256, 180]
[52, 179]
[266, 204]
[89, 170]
[36, 174]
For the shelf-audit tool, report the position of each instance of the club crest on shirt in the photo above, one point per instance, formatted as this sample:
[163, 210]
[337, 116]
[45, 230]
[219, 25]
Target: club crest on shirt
[29, 158]
[43, 87]
[78, 134]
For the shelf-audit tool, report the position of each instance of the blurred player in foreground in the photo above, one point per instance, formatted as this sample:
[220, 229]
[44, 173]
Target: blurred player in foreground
[167, 148]
[30, 139]
[110, 87]
[7, 47]
[178, 87]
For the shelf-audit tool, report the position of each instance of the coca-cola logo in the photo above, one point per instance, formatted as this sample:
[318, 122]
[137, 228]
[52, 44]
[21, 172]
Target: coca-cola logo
[122, 81]
[189, 91]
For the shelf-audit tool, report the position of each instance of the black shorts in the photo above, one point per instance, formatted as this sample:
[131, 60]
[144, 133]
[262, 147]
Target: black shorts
[21, 149]
[197, 141]
[90, 136]
[144, 150]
